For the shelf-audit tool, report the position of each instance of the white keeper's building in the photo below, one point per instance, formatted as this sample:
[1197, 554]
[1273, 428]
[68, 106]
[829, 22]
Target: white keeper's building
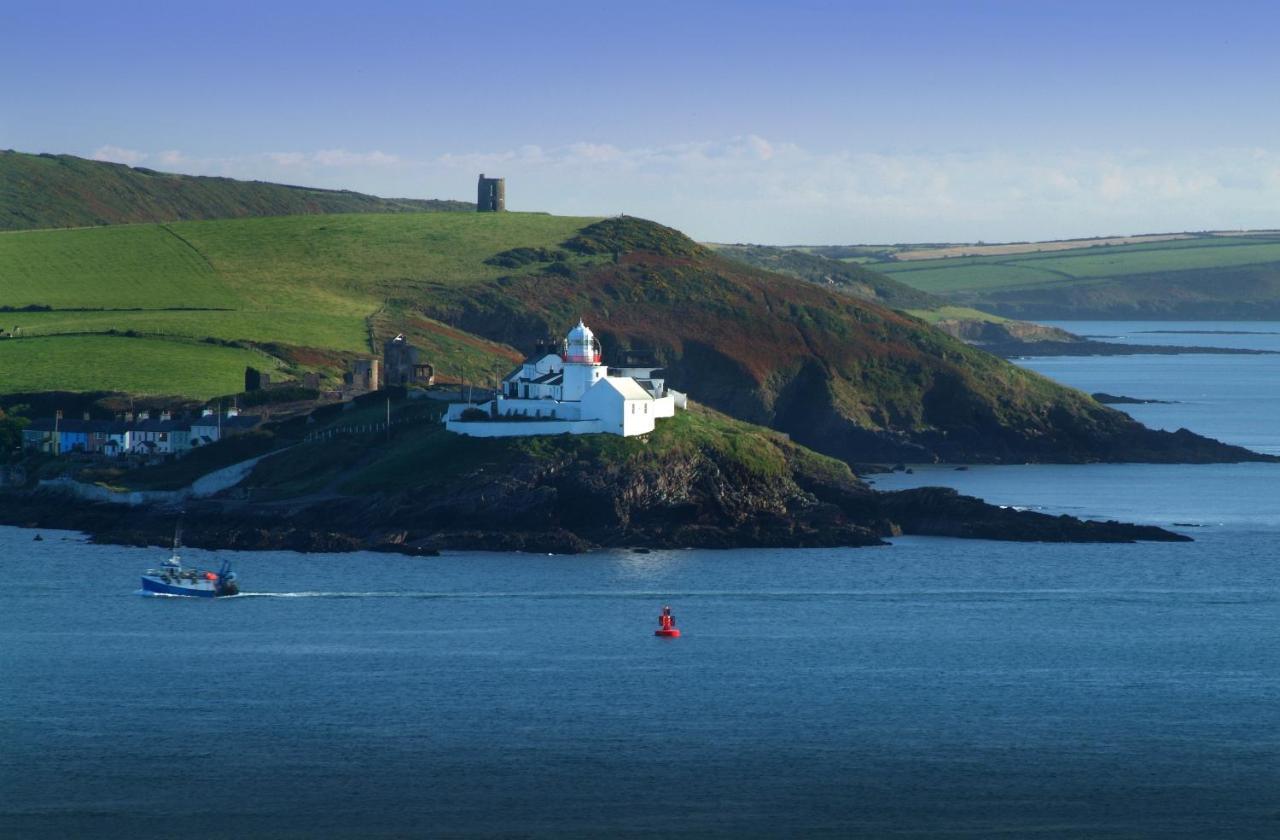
[570, 392]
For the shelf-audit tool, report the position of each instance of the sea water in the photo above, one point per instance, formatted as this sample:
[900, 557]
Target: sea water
[932, 687]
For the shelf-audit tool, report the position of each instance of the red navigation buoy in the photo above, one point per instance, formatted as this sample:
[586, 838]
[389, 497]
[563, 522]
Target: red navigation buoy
[667, 625]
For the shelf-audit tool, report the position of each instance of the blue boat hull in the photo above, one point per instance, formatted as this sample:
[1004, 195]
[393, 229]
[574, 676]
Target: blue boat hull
[159, 587]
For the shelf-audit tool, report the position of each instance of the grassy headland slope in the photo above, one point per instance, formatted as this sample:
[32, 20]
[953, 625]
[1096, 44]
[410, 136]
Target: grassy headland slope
[847, 376]
[700, 479]
[310, 290]
[55, 191]
[1197, 276]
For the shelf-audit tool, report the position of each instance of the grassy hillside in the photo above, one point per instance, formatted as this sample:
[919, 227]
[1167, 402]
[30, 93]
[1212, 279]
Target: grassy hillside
[148, 365]
[297, 283]
[972, 325]
[846, 276]
[1200, 276]
[56, 191]
[847, 376]
[429, 457]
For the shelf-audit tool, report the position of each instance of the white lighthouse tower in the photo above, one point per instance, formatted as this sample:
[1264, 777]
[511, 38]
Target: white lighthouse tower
[569, 393]
[582, 367]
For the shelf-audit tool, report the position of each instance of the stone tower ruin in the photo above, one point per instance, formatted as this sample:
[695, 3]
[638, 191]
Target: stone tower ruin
[491, 195]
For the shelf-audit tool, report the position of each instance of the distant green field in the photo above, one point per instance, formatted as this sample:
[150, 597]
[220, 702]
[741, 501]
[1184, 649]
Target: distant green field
[977, 274]
[142, 266]
[307, 329]
[972, 277]
[305, 281]
[963, 313]
[136, 365]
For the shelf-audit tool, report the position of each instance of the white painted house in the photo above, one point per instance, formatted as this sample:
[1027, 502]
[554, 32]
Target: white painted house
[569, 392]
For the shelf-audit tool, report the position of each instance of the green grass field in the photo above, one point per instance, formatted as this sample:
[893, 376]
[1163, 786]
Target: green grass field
[136, 365]
[303, 281]
[961, 313]
[980, 274]
[307, 329]
[143, 266]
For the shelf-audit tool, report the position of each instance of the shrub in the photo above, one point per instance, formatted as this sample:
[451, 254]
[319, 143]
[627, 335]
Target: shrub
[517, 257]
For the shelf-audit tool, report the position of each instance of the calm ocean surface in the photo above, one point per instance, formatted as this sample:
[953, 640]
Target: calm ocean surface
[935, 687]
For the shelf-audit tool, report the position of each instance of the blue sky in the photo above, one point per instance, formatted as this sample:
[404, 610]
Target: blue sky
[765, 122]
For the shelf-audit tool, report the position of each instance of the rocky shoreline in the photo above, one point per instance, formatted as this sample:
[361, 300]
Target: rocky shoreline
[841, 520]
[1118, 399]
[1088, 347]
[700, 480]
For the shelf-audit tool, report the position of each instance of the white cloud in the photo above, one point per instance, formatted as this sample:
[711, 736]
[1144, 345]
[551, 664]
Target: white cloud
[116, 154]
[286, 158]
[331, 158]
[342, 157]
[751, 188]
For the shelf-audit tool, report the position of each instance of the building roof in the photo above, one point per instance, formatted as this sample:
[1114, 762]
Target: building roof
[158, 425]
[68, 425]
[643, 372]
[628, 387]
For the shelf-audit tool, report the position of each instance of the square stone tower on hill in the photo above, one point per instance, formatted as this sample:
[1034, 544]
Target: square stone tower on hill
[491, 195]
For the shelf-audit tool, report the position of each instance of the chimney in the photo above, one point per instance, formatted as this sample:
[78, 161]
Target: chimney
[208, 412]
[165, 415]
[128, 417]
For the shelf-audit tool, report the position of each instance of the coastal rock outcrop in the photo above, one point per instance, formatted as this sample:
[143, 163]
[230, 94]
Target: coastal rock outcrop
[700, 481]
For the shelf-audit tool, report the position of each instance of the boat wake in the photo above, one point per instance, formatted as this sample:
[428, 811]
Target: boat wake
[797, 595]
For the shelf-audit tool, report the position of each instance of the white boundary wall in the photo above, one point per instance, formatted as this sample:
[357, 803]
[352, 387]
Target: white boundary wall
[519, 428]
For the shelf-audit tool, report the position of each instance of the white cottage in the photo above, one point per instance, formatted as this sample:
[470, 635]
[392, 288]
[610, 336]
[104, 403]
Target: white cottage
[569, 392]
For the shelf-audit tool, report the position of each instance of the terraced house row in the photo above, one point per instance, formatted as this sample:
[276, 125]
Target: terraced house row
[159, 435]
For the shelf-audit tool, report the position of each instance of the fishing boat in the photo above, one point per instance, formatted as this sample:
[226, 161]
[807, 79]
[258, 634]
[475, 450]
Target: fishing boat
[173, 579]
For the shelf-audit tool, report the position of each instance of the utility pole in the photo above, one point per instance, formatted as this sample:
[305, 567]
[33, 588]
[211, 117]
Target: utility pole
[57, 438]
[388, 416]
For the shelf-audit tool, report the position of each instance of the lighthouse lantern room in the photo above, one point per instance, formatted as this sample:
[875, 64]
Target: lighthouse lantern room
[581, 346]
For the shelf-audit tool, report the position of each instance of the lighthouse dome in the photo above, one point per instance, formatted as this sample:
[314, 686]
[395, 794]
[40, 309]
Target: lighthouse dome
[580, 333]
[581, 346]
